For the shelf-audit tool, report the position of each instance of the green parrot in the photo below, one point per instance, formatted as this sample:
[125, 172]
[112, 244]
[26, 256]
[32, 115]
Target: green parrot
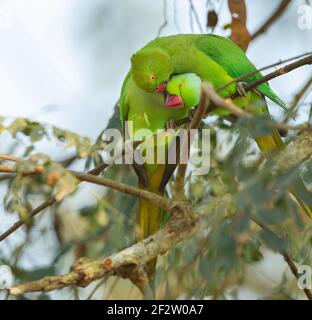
[145, 101]
[188, 88]
[214, 59]
[150, 111]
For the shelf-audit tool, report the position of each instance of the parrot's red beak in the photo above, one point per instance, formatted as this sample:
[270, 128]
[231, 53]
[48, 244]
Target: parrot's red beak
[173, 101]
[161, 87]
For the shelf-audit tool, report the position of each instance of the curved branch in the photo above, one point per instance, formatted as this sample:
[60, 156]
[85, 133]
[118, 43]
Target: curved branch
[279, 72]
[299, 96]
[126, 263]
[253, 85]
[50, 201]
[272, 19]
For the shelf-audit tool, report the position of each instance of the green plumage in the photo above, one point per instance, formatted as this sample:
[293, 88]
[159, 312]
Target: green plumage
[211, 58]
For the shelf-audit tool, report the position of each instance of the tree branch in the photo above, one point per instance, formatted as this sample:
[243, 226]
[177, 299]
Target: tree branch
[52, 200]
[229, 105]
[165, 15]
[200, 113]
[124, 264]
[279, 72]
[298, 98]
[155, 199]
[248, 74]
[182, 224]
[272, 19]
[239, 31]
[294, 270]
[287, 257]
[294, 153]
[254, 85]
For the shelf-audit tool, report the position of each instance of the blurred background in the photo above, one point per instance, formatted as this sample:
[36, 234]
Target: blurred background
[62, 63]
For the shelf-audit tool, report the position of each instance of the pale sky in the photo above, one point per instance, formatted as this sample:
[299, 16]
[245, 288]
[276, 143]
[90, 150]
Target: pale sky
[53, 70]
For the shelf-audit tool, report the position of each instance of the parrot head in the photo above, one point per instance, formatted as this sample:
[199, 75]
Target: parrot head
[183, 90]
[151, 68]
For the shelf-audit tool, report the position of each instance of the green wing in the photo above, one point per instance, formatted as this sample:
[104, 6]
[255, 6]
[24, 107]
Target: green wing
[225, 52]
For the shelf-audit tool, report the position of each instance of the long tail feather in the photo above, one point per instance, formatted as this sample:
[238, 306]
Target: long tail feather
[149, 216]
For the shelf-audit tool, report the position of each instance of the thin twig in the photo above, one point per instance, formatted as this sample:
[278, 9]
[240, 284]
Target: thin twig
[297, 99]
[256, 83]
[281, 71]
[96, 289]
[229, 105]
[194, 12]
[175, 16]
[294, 270]
[52, 200]
[165, 22]
[91, 177]
[248, 74]
[273, 18]
[157, 200]
[8, 157]
[292, 266]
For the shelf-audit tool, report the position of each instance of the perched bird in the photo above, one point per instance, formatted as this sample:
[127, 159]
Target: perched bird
[213, 58]
[187, 87]
[143, 110]
[145, 101]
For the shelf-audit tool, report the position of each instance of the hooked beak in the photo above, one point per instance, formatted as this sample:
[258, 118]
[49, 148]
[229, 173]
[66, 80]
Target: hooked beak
[161, 87]
[173, 101]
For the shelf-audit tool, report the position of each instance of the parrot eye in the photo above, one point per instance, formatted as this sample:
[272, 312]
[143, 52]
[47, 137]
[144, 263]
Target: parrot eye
[153, 77]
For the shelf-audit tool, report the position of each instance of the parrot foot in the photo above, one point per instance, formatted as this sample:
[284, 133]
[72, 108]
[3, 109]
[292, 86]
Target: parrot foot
[240, 87]
[242, 92]
[171, 124]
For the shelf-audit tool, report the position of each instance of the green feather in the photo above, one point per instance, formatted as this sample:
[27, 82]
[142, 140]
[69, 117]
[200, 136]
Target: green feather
[235, 62]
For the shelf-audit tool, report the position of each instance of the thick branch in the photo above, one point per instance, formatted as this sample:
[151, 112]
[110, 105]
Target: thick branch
[295, 153]
[123, 264]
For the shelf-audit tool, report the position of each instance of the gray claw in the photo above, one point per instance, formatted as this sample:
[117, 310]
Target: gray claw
[242, 92]
[240, 87]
